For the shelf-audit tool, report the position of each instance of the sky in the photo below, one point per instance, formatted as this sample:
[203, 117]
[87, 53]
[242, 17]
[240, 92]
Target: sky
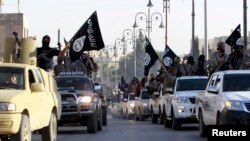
[45, 17]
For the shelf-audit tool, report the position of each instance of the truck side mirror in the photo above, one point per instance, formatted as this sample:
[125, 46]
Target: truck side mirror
[212, 89]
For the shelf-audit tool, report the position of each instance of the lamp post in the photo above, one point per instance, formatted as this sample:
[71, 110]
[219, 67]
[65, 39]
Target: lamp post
[125, 53]
[149, 18]
[166, 6]
[128, 32]
[107, 56]
[115, 55]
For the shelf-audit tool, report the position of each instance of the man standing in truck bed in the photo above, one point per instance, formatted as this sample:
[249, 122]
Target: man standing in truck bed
[45, 54]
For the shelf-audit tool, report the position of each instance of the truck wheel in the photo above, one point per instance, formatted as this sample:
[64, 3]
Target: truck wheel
[218, 120]
[161, 116]
[154, 117]
[176, 125]
[24, 133]
[99, 122]
[49, 133]
[104, 116]
[202, 126]
[141, 116]
[137, 117]
[92, 123]
[167, 123]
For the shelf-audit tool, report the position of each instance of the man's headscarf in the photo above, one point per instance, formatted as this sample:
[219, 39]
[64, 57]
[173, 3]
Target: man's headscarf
[46, 42]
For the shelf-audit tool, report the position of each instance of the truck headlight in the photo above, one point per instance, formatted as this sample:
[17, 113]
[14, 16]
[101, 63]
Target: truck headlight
[4, 106]
[182, 100]
[234, 105]
[132, 105]
[84, 99]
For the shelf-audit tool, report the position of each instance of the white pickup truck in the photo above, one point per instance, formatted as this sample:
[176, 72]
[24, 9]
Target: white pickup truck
[179, 103]
[129, 106]
[226, 100]
[142, 107]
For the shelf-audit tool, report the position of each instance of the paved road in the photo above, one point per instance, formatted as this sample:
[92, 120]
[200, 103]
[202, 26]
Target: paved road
[128, 130]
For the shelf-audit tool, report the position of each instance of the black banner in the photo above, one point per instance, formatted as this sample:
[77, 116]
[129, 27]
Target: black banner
[234, 40]
[123, 84]
[168, 57]
[149, 58]
[87, 38]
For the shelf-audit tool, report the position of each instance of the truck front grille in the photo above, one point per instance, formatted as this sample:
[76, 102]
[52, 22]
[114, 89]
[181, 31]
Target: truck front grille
[69, 103]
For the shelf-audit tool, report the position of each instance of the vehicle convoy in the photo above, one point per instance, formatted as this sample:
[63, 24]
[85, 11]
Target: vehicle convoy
[29, 101]
[179, 101]
[142, 107]
[226, 100]
[80, 101]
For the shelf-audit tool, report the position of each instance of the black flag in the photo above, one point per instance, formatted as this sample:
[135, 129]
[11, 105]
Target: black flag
[235, 40]
[123, 84]
[149, 58]
[134, 80]
[168, 57]
[87, 38]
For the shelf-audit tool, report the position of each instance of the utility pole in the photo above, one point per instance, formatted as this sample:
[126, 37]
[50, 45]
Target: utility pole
[245, 23]
[18, 6]
[193, 16]
[205, 30]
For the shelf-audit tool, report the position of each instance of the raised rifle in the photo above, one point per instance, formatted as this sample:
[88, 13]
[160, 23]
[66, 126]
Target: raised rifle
[18, 42]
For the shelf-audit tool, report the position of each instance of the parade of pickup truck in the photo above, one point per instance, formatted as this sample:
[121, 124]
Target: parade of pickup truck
[67, 75]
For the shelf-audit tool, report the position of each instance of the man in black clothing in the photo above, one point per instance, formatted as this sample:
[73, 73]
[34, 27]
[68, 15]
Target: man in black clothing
[45, 54]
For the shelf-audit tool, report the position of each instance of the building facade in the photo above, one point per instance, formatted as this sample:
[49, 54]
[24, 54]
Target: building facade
[9, 23]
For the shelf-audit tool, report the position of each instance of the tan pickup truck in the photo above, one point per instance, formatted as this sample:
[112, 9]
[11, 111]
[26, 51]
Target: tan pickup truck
[29, 101]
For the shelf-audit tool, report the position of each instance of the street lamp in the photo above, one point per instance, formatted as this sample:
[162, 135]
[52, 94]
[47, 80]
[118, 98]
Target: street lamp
[128, 32]
[115, 55]
[107, 56]
[165, 8]
[125, 53]
[134, 33]
[149, 18]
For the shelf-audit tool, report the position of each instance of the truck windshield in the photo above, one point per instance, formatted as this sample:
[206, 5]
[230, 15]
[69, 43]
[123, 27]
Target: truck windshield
[11, 78]
[145, 95]
[76, 83]
[191, 84]
[236, 82]
[132, 97]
